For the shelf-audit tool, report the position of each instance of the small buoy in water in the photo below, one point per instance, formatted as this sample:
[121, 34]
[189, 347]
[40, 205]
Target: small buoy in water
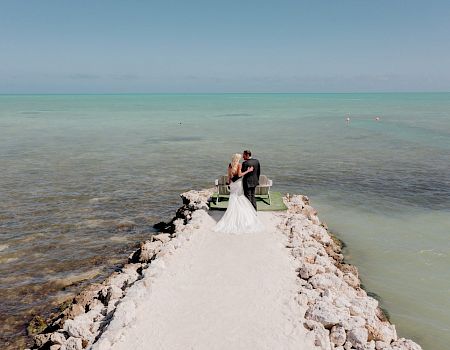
[347, 120]
[377, 119]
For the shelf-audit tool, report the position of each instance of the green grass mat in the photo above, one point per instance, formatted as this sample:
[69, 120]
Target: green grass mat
[277, 203]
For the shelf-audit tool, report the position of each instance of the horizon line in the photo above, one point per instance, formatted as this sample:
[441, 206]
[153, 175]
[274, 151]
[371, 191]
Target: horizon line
[220, 93]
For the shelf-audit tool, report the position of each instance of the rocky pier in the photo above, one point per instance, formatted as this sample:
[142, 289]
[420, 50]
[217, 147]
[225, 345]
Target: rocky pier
[337, 312]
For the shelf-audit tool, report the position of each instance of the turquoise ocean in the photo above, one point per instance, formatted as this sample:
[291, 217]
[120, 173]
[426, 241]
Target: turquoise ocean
[73, 167]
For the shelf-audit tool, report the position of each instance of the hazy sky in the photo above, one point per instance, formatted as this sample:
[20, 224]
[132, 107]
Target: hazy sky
[224, 46]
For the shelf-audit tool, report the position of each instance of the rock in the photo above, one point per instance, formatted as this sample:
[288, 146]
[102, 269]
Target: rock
[195, 200]
[41, 339]
[149, 251]
[326, 313]
[162, 237]
[341, 301]
[348, 346]
[295, 242]
[309, 270]
[333, 252]
[307, 253]
[382, 331]
[338, 335]
[326, 262]
[321, 335]
[302, 299]
[72, 344]
[321, 235]
[86, 297]
[146, 252]
[353, 322]
[357, 337]
[179, 225]
[364, 306]
[111, 293]
[309, 211]
[55, 347]
[352, 280]
[74, 310]
[381, 314]
[58, 338]
[298, 200]
[380, 345]
[369, 346]
[361, 292]
[115, 292]
[119, 279]
[405, 344]
[326, 281]
[132, 272]
[311, 294]
[79, 328]
[347, 268]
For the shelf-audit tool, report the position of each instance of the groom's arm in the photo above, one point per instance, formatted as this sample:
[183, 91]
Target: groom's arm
[258, 171]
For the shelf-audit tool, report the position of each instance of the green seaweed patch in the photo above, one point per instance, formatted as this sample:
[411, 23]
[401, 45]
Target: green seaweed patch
[36, 325]
[64, 305]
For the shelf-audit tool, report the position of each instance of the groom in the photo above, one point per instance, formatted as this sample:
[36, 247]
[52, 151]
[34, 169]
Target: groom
[251, 179]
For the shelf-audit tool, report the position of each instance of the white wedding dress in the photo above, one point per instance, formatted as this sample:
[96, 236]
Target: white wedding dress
[240, 216]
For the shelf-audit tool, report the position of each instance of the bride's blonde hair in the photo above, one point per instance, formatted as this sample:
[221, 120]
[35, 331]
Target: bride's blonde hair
[235, 162]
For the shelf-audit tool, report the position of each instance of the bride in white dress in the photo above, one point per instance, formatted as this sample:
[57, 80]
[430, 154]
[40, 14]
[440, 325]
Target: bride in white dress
[240, 216]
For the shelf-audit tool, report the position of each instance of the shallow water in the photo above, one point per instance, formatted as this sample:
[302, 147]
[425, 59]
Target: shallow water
[74, 166]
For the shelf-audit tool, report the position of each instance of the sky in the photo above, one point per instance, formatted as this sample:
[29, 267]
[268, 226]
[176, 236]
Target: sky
[178, 46]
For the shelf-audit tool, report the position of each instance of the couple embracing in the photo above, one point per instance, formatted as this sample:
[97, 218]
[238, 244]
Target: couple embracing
[241, 216]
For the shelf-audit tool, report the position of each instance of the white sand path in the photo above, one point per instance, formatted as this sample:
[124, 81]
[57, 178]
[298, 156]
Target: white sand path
[219, 292]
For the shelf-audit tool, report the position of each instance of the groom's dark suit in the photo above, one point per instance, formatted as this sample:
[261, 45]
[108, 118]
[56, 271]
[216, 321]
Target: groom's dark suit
[251, 180]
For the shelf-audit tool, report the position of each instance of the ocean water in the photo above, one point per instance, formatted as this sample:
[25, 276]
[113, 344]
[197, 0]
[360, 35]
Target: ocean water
[73, 167]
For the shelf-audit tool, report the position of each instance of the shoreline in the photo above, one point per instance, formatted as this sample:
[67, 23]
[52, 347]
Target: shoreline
[338, 313]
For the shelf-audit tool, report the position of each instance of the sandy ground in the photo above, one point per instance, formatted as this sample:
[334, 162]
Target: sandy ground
[219, 291]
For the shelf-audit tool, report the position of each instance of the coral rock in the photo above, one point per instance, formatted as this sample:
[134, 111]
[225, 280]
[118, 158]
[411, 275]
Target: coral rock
[58, 338]
[162, 237]
[326, 313]
[357, 337]
[78, 328]
[72, 344]
[338, 335]
[405, 344]
[146, 252]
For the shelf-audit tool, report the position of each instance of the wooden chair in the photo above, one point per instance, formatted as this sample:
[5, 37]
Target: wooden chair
[222, 188]
[263, 189]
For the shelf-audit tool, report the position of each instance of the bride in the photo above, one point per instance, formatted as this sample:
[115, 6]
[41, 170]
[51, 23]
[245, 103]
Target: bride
[240, 216]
